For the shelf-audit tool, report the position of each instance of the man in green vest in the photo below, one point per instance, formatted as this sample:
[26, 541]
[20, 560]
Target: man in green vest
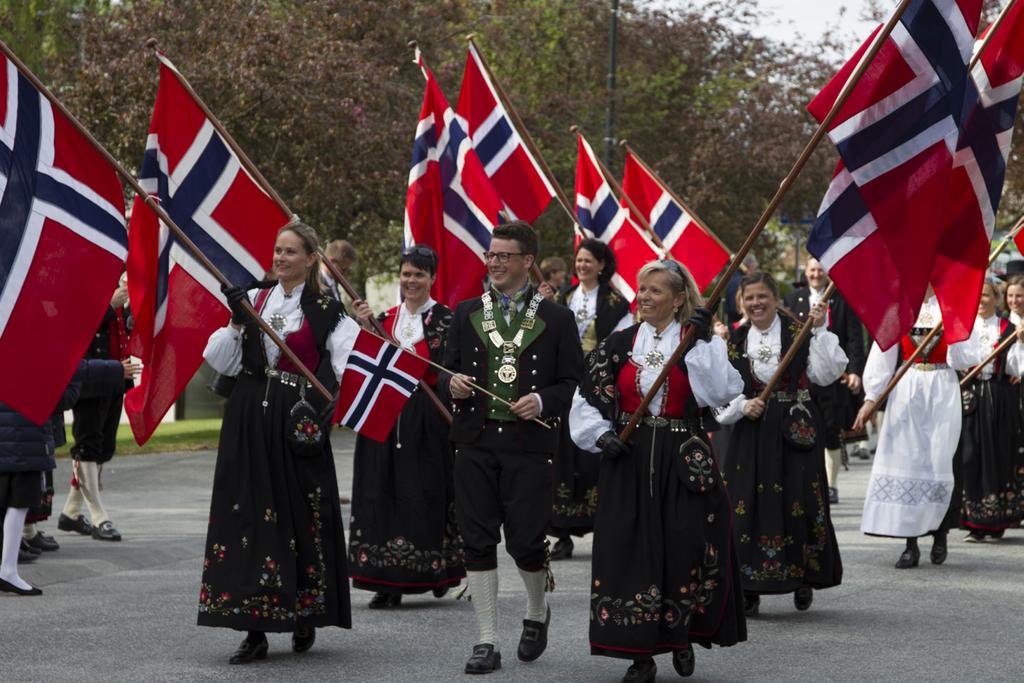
[525, 351]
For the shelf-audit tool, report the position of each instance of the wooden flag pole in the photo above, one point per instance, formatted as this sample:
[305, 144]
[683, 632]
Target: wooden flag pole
[768, 212]
[531, 146]
[976, 57]
[265, 185]
[805, 331]
[153, 204]
[1003, 345]
[617, 189]
[908, 363]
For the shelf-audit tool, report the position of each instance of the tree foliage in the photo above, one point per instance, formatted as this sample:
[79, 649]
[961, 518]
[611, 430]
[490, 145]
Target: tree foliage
[324, 97]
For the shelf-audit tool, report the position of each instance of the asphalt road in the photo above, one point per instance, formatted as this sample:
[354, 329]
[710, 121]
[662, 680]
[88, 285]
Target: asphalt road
[126, 611]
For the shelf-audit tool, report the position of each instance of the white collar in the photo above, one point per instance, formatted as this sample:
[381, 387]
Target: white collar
[419, 311]
[776, 324]
[296, 291]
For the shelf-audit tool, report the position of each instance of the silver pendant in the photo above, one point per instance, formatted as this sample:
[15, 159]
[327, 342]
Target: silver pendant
[582, 315]
[277, 322]
[764, 353]
[654, 358]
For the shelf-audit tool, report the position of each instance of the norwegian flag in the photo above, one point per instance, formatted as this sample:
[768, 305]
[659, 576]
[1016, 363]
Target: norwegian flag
[379, 378]
[679, 230]
[451, 205]
[516, 175]
[176, 302]
[601, 216]
[885, 217]
[62, 245]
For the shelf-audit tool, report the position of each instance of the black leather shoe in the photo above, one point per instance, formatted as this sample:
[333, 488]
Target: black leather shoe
[909, 558]
[939, 550]
[385, 600]
[43, 542]
[26, 548]
[975, 536]
[440, 592]
[485, 660]
[751, 604]
[684, 662]
[833, 495]
[803, 597]
[642, 671]
[24, 556]
[562, 550]
[7, 587]
[534, 639]
[106, 532]
[303, 638]
[250, 650]
[79, 524]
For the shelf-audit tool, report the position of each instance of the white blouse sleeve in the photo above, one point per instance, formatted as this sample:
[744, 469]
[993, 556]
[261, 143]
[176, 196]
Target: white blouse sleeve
[224, 351]
[713, 379]
[827, 360]
[732, 413]
[965, 355]
[626, 321]
[1015, 359]
[878, 370]
[340, 344]
[586, 424]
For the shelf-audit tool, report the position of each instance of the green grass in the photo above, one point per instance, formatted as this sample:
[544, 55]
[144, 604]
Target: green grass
[186, 435]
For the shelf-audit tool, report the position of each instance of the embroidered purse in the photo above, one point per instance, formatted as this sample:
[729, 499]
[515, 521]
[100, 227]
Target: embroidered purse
[798, 428]
[699, 471]
[305, 436]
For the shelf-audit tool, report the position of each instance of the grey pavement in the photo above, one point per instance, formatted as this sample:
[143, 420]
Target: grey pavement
[126, 611]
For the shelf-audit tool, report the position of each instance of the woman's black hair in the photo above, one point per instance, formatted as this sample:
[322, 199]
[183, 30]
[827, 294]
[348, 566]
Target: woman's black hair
[420, 256]
[603, 253]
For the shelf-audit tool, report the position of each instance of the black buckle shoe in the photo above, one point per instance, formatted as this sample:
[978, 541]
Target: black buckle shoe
[303, 638]
[26, 548]
[43, 542]
[803, 597]
[562, 550]
[385, 600]
[485, 660]
[939, 550]
[106, 532]
[642, 671]
[250, 650]
[751, 604]
[534, 640]
[684, 661]
[8, 587]
[25, 557]
[910, 557]
[79, 524]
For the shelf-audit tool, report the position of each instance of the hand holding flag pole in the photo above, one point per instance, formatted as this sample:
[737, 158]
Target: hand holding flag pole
[769, 210]
[935, 332]
[153, 204]
[805, 331]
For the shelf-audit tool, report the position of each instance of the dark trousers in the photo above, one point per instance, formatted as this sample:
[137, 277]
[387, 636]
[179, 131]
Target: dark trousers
[498, 484]
[95, 427]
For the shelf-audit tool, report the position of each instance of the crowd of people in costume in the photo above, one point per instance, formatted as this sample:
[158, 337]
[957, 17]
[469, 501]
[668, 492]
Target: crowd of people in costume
[687, 536]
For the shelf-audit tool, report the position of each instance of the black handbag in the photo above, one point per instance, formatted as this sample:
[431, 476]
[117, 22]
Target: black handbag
[798, 428]
[699, 472]
[222, 385]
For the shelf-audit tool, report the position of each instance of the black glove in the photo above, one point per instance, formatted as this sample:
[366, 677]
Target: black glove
[701, 323]
[611, 445]
[235, 297]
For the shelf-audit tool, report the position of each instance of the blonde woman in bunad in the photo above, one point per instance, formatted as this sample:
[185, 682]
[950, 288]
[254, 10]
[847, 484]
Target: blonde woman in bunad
[275, 546]
[1013, 297]
[664, 572]
[911, 490]
[988, 456]
[403, 539]
[599, 310]
[776, 475]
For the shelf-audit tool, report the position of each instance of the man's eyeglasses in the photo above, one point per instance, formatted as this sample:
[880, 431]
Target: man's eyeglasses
[501, 257]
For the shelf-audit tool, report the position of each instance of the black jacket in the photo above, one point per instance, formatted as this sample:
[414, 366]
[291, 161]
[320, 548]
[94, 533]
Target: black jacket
[551, 367]
[844, 323]
[28, 447]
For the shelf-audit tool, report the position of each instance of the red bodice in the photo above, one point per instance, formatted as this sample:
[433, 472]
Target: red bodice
[301, 342]
[630, 396]
[936, 355]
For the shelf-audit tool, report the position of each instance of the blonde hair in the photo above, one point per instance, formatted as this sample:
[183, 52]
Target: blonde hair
[680, 280]
[311, 245]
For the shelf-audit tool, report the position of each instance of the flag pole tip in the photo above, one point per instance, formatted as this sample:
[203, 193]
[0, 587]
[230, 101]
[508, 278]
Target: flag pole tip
[152, 44]
[623, 143]
[412, 43]
[574, 128]
[470, 37]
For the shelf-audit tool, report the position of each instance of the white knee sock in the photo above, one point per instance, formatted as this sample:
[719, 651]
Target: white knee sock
[89, 485]
[536, 607]
[833, 458]
[29, 532]
[14, 522]
[483, 586]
